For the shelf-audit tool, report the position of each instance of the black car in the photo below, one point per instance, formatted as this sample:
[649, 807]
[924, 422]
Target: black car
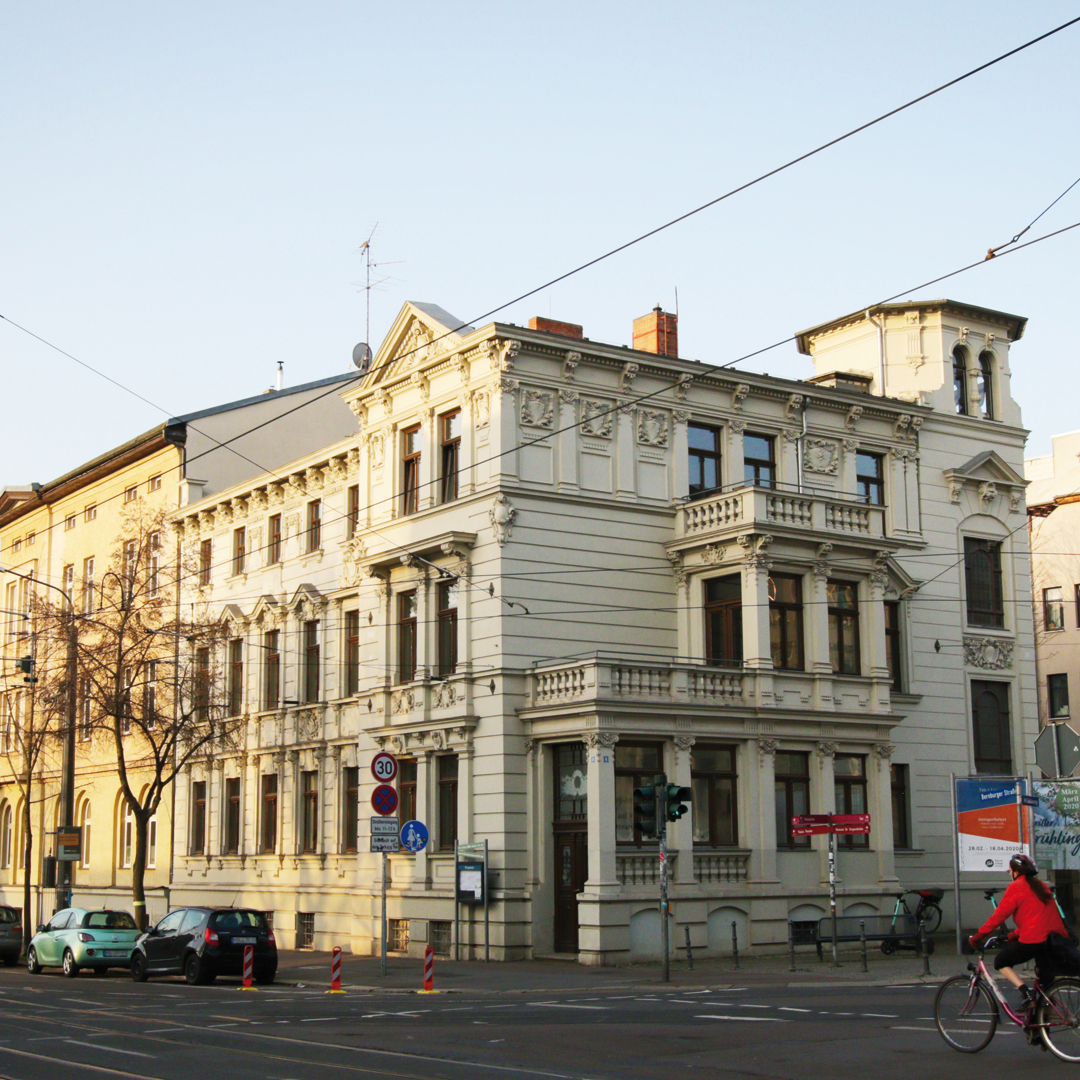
[10, 935]
[202, 943]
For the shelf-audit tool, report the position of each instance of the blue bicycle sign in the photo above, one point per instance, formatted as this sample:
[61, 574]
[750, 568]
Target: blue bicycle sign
[414, 835]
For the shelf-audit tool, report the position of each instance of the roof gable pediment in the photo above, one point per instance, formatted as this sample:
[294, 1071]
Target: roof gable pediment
[987, 467]
[420, 332]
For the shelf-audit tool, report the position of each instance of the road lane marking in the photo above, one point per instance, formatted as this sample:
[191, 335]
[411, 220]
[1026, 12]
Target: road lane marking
[882, 1016]
[109, 1049]
[567, 1005]
[317, 1019]
[748, 1019]
[898, 1027]
[791, 1008]
[747, 1005]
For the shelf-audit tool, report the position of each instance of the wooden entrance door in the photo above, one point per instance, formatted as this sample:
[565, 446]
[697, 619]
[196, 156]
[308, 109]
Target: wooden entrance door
[571, 871]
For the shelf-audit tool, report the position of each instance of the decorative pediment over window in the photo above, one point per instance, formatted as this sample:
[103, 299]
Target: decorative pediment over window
[307, 603]
[987, 476]
[268, 614]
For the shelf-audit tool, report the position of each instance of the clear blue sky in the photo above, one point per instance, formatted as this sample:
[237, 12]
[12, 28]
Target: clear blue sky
[185, 187]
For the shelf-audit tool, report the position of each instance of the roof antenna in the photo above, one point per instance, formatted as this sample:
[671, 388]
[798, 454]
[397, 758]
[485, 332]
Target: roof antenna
[280, 372]
[676, 301]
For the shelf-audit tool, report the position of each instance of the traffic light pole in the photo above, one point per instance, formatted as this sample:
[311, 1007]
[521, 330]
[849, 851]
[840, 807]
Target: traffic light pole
[661, 824]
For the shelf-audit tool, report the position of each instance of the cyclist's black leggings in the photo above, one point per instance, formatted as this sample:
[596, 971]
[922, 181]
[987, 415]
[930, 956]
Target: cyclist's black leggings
[1018, 952]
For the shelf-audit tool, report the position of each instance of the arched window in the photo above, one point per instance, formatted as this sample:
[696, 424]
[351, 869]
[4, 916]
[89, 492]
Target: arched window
[986, 384]
[84, 822]
[127, 836]
[959, 367]
[6, 838]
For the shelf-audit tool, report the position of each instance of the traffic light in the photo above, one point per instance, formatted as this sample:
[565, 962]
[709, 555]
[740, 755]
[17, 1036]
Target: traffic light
[645, 809]
[25, 664]
[677, 798]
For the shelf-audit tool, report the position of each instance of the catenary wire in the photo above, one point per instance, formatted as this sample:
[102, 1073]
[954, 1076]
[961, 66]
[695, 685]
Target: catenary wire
[992, 253]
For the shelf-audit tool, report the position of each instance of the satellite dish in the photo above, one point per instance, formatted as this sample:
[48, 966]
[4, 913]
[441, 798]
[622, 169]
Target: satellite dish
[361, 356]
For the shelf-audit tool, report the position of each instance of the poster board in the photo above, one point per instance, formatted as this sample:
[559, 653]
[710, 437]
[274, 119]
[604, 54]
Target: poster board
[991, 824]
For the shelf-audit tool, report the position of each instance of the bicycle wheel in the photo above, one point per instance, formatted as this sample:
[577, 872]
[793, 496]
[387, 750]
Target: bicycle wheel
[931, 917]
[966, 1016]
[1061, 1017]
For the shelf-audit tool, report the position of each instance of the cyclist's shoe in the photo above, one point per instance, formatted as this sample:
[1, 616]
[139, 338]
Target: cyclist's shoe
[1026, 999]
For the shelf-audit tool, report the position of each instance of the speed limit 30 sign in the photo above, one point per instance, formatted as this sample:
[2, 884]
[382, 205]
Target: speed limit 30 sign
[384, 767]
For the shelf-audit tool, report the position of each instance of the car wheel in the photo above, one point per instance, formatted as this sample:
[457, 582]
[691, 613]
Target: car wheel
[11, 959]
[71, 969]
[32, 964]
[265, 978]
[138, 968]
[194, 971]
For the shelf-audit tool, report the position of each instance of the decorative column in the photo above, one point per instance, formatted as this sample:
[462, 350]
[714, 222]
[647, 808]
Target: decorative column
[681, 833]
[600, 788]
[757, 647]
[733, 459]
[625, 479]
[290, 809]
[680, 453]
[567, 440]
[881, 819]
[816, 616]
[279, 832]
[429, 454]
[764, 872]
[877, 657]
[504, 466]
[424, 805]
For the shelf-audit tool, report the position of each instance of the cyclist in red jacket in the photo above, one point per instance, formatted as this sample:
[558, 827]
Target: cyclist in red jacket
[1030, 904]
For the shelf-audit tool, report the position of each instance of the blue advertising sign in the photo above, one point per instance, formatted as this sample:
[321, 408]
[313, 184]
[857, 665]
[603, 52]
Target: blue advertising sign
[990, 824]
[414, 835]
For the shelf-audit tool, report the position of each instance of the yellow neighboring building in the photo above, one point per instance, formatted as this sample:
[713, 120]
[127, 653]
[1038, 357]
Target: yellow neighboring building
[62, 535]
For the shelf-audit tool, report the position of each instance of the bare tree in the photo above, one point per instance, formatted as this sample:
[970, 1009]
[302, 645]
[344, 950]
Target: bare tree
[149, 688]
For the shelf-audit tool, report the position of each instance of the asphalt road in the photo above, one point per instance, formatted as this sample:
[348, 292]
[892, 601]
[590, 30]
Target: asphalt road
[52, 1027]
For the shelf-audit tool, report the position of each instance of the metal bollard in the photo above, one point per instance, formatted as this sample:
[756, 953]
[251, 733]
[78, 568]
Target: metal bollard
[689, 951]
[925, 951]
[862, 942]
[735, 945]
[791, 946]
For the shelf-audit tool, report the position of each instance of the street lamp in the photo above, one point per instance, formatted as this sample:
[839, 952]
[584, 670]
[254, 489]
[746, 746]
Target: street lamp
[67, 772]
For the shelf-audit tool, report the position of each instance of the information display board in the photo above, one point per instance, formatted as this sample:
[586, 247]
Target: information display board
[991, 823]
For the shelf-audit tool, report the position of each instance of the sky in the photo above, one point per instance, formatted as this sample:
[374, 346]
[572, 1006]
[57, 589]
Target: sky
[185, 188]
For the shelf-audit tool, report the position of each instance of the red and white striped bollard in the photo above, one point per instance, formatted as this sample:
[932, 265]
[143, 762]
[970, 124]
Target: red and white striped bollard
[335, 971]
[249, 965]
[429, 970]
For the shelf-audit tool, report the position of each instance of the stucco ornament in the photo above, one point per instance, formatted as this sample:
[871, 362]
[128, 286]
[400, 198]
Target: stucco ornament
[570, 364]
[375, 449]
[652, 427]
[404, 701]
[990, 654]
[713, 553]
[307, 724]
[502, 516]
[445, 695]
[596, 418]
[352, 561]
[852, 417]
[537, 408]
[481, 408]
[821, 456]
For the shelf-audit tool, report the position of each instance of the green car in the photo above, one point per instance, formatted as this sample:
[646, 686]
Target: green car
[76, 938]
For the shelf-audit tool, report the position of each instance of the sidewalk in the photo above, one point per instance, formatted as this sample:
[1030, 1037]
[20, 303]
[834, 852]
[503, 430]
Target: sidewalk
[362, 973]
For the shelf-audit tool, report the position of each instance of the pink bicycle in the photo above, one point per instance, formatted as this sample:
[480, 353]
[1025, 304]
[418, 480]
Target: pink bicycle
[967, 1009]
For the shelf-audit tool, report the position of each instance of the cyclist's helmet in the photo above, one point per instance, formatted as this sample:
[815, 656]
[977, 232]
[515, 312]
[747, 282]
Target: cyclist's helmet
[1023, 864]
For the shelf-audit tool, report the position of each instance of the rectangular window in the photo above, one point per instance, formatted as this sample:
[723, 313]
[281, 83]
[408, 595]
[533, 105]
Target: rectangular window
[406, 636]
[870, 478]
[843, 603]
[127, 681]
[982, 576]
[901, 807]
[206, 561]
[30, 538]
[16, 545]
[90, 513]
[151, 843]
[893, 644]
[86, 713]
[132, 493]
[150, 696]
[88, 585]
[272, 669]
[991, 728]
[450, 442]
[447, 774]
[1053, 609]
[635, 766]
[69, 522]
[232, 815]
[407, 790]
[154, 582]
[713, 783]
[198, 818]
[352, 653]
[723, 621]
[239, 550]
[273, 545]
[154, 483]
[792, 796]
[351, 815]
[309, 786]
[200, 692]
[849, 787]
[69, 581]
[352, 511]
[759, 460]
[130, 567]
[448, 627]
[236, 676]
[268, 841]
[311, 661]
[1057, 693]
[314, 525]
[703, 458]
[410, 470]
[785, 621]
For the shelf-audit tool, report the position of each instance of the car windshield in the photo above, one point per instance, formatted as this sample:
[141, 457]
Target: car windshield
[238, 920]
[109, 920]
[8, 915]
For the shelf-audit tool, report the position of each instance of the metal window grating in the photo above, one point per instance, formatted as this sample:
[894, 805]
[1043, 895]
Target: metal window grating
[399, 935]
[441, 937]
[305, 929]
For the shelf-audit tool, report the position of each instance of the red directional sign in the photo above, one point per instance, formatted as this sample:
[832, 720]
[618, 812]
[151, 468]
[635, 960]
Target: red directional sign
[819, 824]
[809, 830]
[384, 767]
[812, 819]
[384, 800]
[851, 819]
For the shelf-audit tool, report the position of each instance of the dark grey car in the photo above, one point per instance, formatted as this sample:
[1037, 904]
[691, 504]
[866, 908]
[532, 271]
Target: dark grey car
[10, 935]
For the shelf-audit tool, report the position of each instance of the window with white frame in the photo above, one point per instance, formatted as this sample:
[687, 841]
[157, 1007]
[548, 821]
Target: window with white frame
[85, 824]
[127, 837]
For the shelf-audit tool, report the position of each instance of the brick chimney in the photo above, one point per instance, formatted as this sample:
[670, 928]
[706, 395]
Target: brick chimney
[657, 332]
[553, 326]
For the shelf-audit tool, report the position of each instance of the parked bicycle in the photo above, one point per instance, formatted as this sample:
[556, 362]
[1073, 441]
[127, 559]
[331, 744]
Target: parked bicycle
[927, 912]
[968, 1007]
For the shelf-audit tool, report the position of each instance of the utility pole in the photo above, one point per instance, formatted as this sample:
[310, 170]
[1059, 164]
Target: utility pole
[661, 824]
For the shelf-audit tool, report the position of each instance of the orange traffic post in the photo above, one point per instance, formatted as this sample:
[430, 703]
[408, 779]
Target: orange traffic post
[429, 971]
[249, 966]
[335, 971]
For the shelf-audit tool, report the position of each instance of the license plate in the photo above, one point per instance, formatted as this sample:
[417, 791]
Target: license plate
[116, 952]
[244, 940]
